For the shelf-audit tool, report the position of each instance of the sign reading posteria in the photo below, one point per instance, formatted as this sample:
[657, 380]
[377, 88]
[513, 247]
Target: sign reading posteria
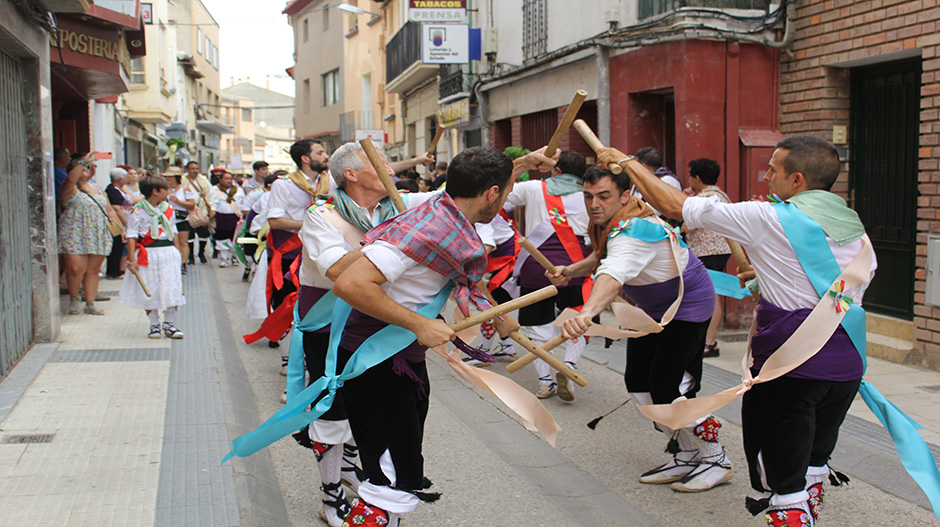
[445, 43]
[437, 10]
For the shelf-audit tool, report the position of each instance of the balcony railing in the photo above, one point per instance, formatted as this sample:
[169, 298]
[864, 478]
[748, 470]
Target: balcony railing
[403, 67]
[451, 81]
[649, 8]
[403, 50]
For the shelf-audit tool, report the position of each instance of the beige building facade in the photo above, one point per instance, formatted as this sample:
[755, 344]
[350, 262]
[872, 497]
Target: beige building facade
[318, 70]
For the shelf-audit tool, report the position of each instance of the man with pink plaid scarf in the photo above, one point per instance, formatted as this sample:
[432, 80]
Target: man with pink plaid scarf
[407, 262]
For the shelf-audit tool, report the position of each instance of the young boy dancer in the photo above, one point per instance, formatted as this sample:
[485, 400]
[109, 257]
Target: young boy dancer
[150, 232]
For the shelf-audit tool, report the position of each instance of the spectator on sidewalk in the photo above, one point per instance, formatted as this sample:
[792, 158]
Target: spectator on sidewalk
[84, 237]
[712, 249]
[199, 184]
[151, 230]
[120, 202]
[183, 201]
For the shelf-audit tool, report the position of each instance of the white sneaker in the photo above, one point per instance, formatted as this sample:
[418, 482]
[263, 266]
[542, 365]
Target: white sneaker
[284, 397]
[223, 262]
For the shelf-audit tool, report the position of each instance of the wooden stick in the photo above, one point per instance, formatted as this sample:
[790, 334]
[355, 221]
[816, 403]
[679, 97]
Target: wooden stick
[524, 360]
[379, 165]
[537, 254]
[570, 114]
[594, 143]
[741, 259]
[535, 350]
[142, 284]
[502, 309]
[437, 137]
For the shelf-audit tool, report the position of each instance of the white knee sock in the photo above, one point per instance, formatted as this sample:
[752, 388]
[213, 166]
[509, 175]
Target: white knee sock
[169, 315]
[154, 317]
[574, 350]
[540, 335]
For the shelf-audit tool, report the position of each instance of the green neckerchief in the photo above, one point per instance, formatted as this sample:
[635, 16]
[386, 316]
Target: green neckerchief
[564, 184]
[837, 220]
[158, 216]
[353, 213]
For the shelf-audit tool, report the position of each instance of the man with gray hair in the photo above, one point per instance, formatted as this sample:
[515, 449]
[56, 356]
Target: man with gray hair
[332, 229]
[121, 202]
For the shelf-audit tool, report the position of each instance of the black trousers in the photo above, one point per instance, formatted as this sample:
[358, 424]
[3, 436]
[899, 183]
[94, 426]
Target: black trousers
[387, 412]
[114, 257]
[657, 362]
[794, 424]
[316, 346]
[278, 295]
[546, 311]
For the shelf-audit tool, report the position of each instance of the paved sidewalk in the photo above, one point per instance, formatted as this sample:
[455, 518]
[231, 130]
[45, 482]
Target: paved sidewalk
[136, 427]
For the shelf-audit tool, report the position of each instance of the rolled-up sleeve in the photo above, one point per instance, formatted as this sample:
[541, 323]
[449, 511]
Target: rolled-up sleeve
[322, 243]
[626, 258]
[744, 222]
[390, 260]
[279, 200]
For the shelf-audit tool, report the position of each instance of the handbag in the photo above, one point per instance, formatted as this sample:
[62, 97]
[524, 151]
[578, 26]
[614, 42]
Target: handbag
[114, 227]
[197, 218]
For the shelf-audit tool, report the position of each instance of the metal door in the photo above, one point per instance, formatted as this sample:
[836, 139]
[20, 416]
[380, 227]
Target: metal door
[884, 137]
[16, 292]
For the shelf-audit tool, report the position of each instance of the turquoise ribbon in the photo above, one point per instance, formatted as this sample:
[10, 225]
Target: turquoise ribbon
[378, 348]
[317, 317]
[645, 231]
[728, 285]
[821, 267]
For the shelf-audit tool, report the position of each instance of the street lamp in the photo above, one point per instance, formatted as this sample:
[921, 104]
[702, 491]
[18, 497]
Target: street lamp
[355, 10]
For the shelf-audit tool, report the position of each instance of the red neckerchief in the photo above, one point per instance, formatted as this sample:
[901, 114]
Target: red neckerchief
[567, 237]
[142, 259]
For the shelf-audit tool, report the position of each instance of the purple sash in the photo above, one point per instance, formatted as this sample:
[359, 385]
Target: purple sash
[281, 236]
[698, 300]
[225, 222]
[838, 360]
[307, 296]
[532, 274]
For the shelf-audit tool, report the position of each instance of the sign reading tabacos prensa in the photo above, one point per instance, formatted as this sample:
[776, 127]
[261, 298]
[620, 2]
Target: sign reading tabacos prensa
[437, 10]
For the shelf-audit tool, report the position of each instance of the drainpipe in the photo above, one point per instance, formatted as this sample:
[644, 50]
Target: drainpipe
[603, 94]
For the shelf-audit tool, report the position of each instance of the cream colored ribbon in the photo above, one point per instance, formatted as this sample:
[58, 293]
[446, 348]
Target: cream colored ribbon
[522, 402]
[638, 322]
[805, 342]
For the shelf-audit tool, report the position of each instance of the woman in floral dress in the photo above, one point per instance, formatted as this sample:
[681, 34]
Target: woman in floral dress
[84, 238]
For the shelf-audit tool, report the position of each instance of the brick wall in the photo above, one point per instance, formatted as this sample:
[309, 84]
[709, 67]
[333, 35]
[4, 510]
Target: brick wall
[815, 96]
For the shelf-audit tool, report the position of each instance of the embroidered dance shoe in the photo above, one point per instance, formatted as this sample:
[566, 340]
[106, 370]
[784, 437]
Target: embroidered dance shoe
[171, 331]
[155, 331]
[713, 468]
[365, 515]
[796, 515]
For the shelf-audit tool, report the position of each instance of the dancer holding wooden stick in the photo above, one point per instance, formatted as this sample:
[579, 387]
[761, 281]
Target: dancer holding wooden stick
[154, 282]
[556, 225]
[406, 274]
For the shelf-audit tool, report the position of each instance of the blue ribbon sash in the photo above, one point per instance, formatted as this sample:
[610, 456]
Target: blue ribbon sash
[820, 265]
[378, 348]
